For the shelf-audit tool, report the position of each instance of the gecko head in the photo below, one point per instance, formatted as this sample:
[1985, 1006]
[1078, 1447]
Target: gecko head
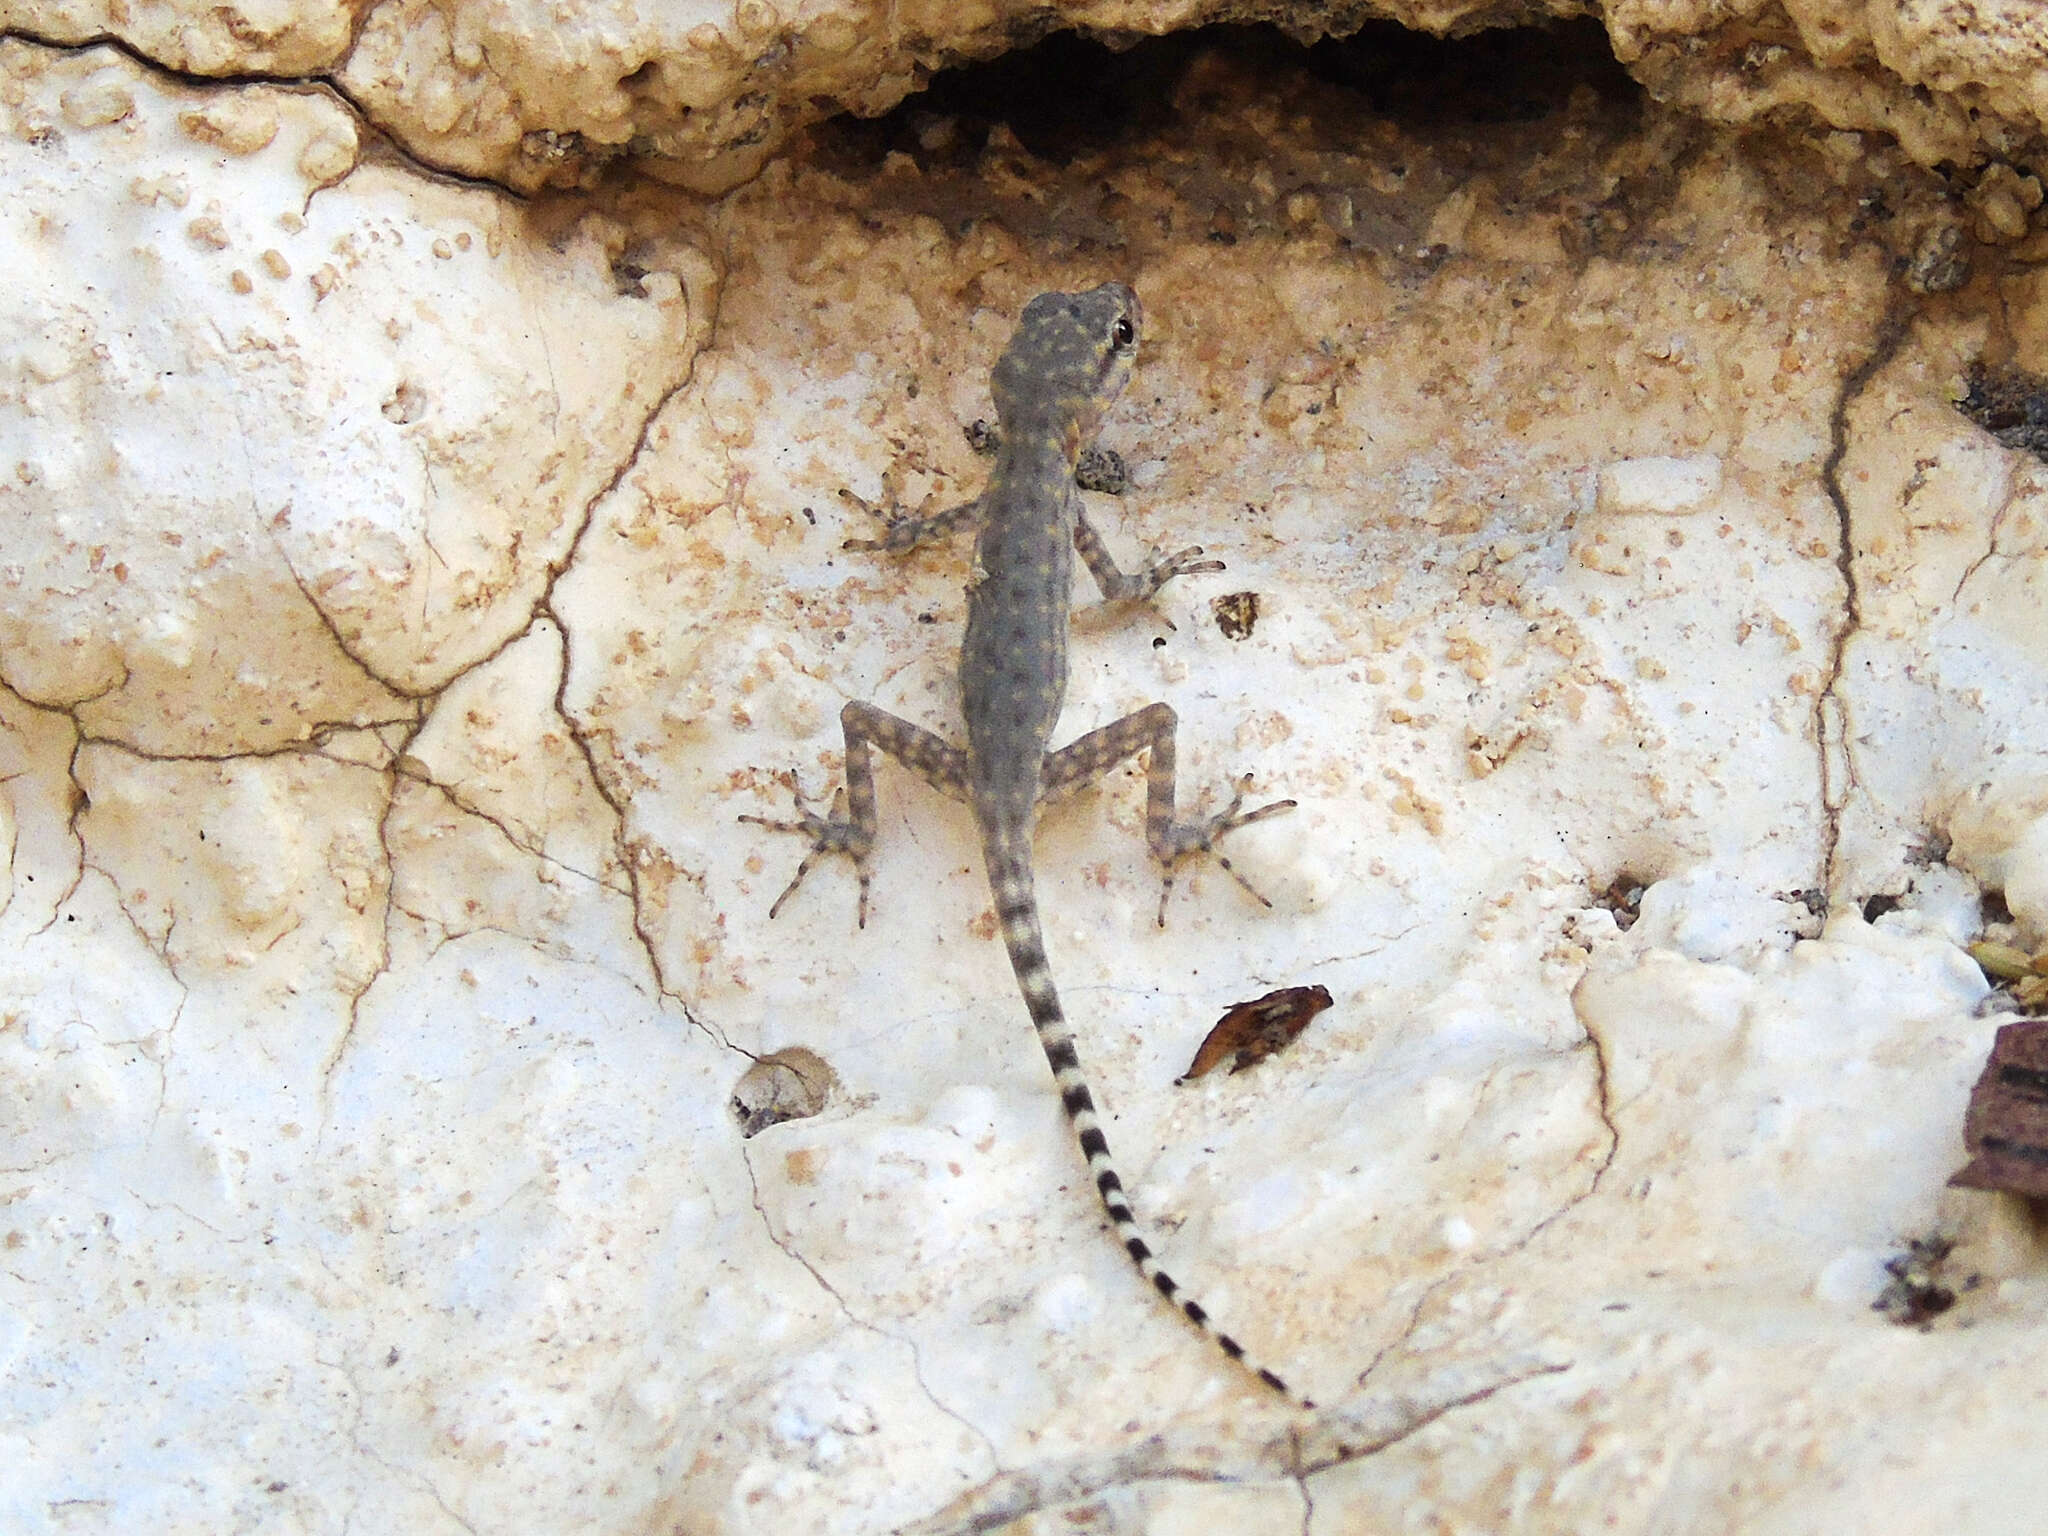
[1068, 361]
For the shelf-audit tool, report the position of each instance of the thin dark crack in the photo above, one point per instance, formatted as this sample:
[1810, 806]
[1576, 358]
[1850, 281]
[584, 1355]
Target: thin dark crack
[1386, 942]
[347, 647]
[376, 136]
[1345, 1453]
[161, 948]
[1002, 1500]
[544, 606]
[158, 1207]
[65, 706]
[160, 1059]
[1830, 710]
[790, 1251]
[1605, 1108]
[44, 1164]
[1593, 1043]
[1407, 1331]
[357, 1403]
[77, 807]
[313, 744]
[81, 802]
[1991, 552]
[411, 770]
[362, 1447]
[382, 968]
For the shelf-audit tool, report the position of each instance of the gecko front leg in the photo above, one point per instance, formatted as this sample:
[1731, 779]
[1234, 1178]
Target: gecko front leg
[1118, 585]
[1171, 840]
[849, 827]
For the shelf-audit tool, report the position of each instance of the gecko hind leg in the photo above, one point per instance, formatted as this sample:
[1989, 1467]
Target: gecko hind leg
[849, 826]
[907, 530]
[1171, 840]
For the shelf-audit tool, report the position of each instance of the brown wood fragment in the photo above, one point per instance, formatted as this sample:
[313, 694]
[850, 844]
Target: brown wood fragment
[2005, 1128]
[1250, 1032]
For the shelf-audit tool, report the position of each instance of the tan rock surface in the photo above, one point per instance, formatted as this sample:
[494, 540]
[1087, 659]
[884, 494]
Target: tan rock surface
[707, 92]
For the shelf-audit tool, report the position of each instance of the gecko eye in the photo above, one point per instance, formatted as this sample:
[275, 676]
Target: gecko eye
[1124, 334]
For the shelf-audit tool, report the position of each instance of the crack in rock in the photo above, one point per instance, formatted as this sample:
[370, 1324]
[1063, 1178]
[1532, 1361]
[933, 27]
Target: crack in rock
[377, 136]
[1293, 1454]
[1837, 766]
[818, 1277]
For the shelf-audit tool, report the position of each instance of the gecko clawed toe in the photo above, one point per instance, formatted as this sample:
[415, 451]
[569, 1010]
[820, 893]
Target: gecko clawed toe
[1065, 365]
[831, 833]
[905, 530]
[1149, 580]
[1182, 840]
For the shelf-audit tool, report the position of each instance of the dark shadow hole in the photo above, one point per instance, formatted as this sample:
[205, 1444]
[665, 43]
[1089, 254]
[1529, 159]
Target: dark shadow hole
[1068, 95]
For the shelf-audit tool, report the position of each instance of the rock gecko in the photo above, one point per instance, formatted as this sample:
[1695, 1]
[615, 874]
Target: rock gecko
[1065, 366]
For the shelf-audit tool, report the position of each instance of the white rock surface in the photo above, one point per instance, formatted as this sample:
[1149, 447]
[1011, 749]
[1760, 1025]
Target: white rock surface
[1659, 484]
[397, 629]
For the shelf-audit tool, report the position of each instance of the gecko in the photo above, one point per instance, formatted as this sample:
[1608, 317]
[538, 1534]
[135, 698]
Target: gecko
[1066, 364]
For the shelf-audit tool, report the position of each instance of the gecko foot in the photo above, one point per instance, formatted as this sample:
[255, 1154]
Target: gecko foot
[1186, 838]
[903, 530]
[1182, 562]
[1118, 586]
[833, 832]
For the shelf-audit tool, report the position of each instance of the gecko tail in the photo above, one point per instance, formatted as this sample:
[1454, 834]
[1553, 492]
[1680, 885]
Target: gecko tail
[1010, 878]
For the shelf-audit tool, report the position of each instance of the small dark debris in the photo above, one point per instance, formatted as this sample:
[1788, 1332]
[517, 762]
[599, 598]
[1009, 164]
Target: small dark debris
[1917, 1294]
[1250, 1032]
[1237, 613]
[1623, 896]
[983, 436]
[1875, 907]
[2012, 405]
[1928, 849]
[1813, 898]
[2005, 1129]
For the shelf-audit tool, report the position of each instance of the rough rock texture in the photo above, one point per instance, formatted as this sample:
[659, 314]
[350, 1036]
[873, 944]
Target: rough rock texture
[410, 584]
[706, 92]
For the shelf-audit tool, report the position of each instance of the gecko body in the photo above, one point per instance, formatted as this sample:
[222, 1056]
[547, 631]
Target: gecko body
[1065, 366]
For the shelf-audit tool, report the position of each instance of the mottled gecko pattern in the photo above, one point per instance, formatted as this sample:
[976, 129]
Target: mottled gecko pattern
[1064, 367]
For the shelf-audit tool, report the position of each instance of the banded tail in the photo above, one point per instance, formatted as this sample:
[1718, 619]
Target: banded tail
[1010, 879]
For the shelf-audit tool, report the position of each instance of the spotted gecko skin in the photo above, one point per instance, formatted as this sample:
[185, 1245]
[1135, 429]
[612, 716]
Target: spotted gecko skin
[1065, 366]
